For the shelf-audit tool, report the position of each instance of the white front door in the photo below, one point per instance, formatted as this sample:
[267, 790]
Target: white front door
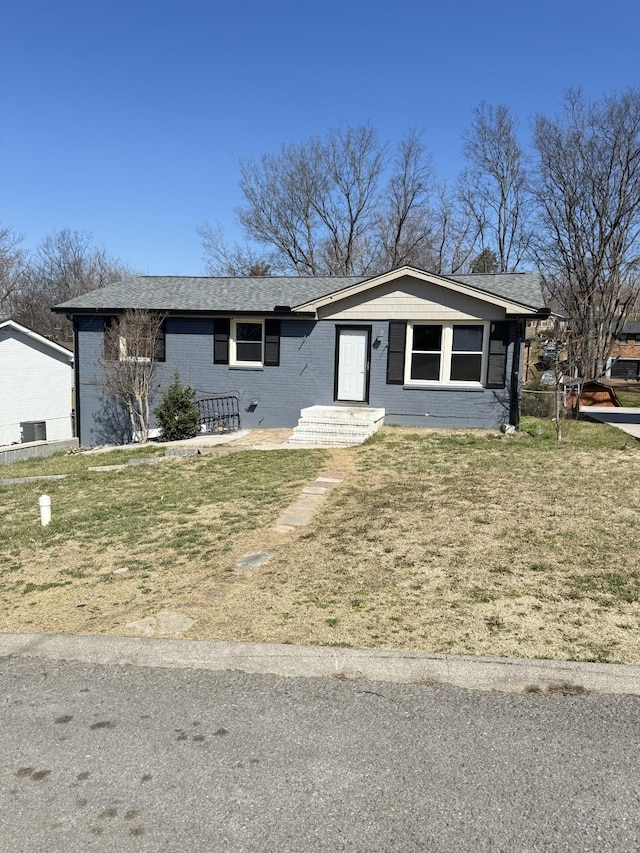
[353, 346]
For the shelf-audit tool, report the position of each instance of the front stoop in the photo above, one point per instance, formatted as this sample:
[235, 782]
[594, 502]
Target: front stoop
[336, 426]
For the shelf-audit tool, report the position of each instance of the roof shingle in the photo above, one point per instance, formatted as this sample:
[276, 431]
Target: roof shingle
[261, 294]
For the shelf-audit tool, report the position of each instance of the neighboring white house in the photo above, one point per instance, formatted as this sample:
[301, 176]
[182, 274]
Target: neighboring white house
[36, 386]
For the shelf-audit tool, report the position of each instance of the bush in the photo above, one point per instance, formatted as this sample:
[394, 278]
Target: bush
[537, 404]
[177, 413]
[537, 401]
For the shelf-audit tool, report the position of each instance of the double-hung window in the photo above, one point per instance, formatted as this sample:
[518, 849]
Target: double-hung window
[445, 353]
[247, 342]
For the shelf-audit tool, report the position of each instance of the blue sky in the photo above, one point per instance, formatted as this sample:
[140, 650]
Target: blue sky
[127, 119]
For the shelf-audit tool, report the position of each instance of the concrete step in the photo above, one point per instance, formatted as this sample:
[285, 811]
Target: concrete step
[355, 426]
[310, 440]
[336, 425]
[330, 429]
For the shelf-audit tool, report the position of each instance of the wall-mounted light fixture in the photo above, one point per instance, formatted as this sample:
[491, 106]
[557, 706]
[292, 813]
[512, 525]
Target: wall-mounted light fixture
[380, 336]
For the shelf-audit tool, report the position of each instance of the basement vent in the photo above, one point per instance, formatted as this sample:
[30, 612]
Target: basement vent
[33, 431]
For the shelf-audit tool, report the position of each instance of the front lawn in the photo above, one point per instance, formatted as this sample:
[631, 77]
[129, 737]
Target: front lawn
[463, 542]
[472, 544]
[126, 543]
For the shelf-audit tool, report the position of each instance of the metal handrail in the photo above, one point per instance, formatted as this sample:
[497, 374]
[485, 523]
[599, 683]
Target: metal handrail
[219, 413]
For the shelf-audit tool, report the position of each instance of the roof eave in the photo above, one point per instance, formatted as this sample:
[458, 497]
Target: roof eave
[37, 337]
[181, 312]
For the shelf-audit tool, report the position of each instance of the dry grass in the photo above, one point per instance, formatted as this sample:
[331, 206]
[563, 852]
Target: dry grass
[463, 542]
[174, 528]
[475, 544]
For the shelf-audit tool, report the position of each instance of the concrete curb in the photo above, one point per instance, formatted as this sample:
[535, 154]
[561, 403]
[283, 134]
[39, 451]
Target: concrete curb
[475, 673]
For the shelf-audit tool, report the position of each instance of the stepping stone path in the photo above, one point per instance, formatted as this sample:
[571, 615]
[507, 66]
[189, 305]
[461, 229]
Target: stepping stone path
[302, 510]
[254, 560]
[299, 513]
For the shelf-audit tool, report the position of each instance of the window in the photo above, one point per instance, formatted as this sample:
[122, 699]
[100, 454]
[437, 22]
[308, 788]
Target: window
[246, 342]
[426, 353]
[134, 338]
[466, 354]
[445, 353]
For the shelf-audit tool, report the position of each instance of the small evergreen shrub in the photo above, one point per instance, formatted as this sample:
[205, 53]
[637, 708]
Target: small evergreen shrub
[177, 413]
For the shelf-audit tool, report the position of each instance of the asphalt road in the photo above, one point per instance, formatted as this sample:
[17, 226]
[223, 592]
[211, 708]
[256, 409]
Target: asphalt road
[120, 758]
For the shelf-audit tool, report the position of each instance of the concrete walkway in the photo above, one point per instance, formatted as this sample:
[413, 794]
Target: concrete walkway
[625, 418]
[477, 673]
[244, 439]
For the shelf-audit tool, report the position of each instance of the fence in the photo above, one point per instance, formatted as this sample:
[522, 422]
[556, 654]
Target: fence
[219, 413]
[537, 404]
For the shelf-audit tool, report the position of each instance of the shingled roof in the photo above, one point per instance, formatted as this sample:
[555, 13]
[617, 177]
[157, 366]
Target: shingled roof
[261, 294]
[522, 287]
[179, 293]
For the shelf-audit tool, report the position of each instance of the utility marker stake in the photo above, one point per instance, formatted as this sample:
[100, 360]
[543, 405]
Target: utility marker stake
[45, 509]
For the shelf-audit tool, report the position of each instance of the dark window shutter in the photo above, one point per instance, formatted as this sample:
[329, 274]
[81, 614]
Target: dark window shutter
[395, 352]
[221, 329]
[498, 348]
[159, 352]
[272, 343]
[111, 340]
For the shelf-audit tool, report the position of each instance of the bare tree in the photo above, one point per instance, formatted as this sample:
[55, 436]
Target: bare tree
[233, 260]
[334, 205]
[12, 268]
[133, 347]
[407, 223]
[493, 189]
[454, 237]
[588, 198]
[279, 210]
[353, 162]
[66, 264]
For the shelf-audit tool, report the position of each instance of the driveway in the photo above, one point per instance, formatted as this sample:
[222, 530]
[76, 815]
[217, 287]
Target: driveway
[622, 417]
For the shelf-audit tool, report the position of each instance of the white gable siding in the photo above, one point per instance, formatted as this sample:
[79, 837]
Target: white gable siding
[408, 299]
[35, 385]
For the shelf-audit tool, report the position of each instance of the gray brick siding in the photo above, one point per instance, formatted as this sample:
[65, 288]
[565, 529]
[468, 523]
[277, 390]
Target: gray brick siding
[305, 377]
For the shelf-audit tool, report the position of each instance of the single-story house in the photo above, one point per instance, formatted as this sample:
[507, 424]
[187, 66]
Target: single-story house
[431, 350]
[36, 386]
